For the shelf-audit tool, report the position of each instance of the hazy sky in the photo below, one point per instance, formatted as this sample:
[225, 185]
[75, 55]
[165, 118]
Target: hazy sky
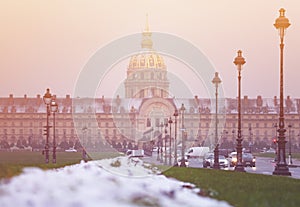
[47, 43]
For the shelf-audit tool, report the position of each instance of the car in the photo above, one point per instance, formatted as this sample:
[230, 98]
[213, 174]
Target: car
[209, 160]
[232, 159]
[72, 149]
[271, 150]
[154, 149]
[179, 160]
[224, 152]
[196, 152]
[135, 153]
[247, 159]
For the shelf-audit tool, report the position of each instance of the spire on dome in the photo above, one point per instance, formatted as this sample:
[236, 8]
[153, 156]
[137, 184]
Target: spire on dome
[147, 41]
[147, 24]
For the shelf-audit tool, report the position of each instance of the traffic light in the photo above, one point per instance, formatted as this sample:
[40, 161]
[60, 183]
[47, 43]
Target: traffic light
[45, 130]
[274, 140]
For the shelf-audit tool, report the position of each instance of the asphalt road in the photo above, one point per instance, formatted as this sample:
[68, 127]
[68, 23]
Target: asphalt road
[263, 165]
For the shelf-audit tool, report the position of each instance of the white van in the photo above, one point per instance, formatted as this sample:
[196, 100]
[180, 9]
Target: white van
[196, 152]
[135, 153]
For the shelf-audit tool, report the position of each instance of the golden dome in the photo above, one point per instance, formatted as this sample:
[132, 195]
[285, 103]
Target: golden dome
[147, 58]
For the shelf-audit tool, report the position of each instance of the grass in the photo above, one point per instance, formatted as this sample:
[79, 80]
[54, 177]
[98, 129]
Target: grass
[238, 189]
[242, 189]
[12, 163]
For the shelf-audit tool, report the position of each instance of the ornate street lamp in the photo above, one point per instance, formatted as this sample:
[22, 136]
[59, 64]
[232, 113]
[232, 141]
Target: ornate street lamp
[275, 141]
[281, 168]
[84, 155]
[182, 162]
[233, 137]
[161, 142]
[239, 61]
[290, 146]
[175, 137]
[54, 109]
[132, 115]
[47, 100]
[216, 81]
[250, 139]
[170, 141]
[166, 131]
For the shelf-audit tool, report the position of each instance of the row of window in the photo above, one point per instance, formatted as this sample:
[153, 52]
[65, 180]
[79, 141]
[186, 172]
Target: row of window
[115, 131]
[127, 124]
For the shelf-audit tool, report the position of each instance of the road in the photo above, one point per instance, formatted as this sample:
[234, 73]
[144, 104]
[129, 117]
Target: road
[263, 165]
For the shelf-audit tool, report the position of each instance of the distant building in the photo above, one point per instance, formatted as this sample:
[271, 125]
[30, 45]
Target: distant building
[140, 117]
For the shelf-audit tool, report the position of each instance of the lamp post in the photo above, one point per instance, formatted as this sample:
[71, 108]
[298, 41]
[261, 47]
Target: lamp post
[275, 141]
[275, 126]
[216, 81]
[201, 142]
[281, 168]
[182, 162]
[54, 109]
[166, 131]
[84, 157]
[239, 61]
[233, 137]
[47, 100]
[170, 141]
[290, 146]
[158, 146]
[250, 139]
[161, 143]
[175, 137]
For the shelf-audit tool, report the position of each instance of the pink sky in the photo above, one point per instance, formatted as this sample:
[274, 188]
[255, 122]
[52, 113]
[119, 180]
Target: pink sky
[46, 44]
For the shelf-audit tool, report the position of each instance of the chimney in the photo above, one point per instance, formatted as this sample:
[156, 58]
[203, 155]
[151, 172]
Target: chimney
[11, 99]
[259, 101]
[38, 100]
[246, 103]
[275, 101]
[196, 100]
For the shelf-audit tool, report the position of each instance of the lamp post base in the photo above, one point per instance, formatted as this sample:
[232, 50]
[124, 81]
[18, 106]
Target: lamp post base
[290, 160]
[239, 168]
[216, 166]
[47, 155]
[282, 169]
[182, 163]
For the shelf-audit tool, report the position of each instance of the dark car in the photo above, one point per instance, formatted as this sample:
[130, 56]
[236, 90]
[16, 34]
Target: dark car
[248, 160]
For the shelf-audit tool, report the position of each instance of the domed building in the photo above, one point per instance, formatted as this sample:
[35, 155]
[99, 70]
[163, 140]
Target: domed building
[146, 72]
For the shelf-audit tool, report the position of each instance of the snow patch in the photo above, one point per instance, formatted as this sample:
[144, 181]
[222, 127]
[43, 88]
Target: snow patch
[98, 183]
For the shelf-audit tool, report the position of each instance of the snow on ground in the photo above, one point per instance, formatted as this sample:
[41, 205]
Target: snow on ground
[120, 182]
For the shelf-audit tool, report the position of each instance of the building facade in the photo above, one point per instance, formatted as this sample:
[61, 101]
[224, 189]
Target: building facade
[143, 115]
